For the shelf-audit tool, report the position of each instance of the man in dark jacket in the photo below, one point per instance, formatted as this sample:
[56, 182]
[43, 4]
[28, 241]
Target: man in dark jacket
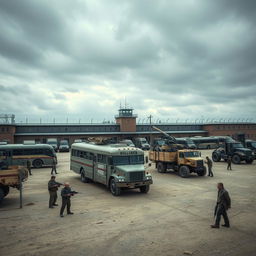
[229, 161]
[223, 204]
[66, 193]
[209, 165]
[53, 188]
[29, 167]
[54, 167]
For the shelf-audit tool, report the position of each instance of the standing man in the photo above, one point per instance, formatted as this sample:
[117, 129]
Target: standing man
[54, 167]
[229, 161]
[29, 167]
[53, 188]
[66, 193]
[223, 204]
[209, 164]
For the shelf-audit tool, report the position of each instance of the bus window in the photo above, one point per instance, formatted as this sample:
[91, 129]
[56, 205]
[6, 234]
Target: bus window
[139, 159]
[48, 152]
[120, 160]
[101, 158]
[17, 152]
[3, 155]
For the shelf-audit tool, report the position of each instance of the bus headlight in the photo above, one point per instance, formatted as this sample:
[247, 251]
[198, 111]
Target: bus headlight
[120, 179]
[148, 177]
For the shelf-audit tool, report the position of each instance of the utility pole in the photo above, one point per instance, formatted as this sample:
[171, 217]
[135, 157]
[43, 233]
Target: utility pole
[150, 138]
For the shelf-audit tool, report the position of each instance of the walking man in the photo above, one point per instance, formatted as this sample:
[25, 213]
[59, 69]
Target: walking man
[29, 167]
[229, 161]
[54, 167]
[53, 186]
[66, 193]
[223, 204]
[209, 164]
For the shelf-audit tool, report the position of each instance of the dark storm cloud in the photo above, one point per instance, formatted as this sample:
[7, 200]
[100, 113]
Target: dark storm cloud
[189, 57]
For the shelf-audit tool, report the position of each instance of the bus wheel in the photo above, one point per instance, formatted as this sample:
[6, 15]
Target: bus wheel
[144, 189]
[116, 191]
[37, 163]
[84, 179]
[184, 171]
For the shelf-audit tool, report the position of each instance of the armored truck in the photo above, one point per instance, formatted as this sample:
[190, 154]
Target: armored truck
[235, 150]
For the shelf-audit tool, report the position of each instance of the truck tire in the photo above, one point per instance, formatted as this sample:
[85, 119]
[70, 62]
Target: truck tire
[184, 171]
[116, 191]
[6, 190]
[249, 161]
[84, 179]
[161, 167]
[1, 194]
[202, 172]
[236, 159]
[37, 163]
[216, 157]
[144, 189]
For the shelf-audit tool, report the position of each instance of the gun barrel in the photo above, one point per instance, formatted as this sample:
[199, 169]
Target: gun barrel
[165, 134]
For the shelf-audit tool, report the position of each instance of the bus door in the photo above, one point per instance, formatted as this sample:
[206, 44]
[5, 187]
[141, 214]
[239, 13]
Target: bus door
[100, 168]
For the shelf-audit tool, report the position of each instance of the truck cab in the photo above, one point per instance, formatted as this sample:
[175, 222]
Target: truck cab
[235, 150]
[251, 144]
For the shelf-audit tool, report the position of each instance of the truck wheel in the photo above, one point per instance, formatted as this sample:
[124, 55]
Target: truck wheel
[116, 191]
[215, 157]
[84, 179]
[236, 159]
[1, 194]
[161, 167]
[184, 171]
[249, 161]
[37, 163]
[202, 172]
[144, 189]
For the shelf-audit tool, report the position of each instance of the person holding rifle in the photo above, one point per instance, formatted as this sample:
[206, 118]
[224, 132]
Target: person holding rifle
[53, 186]
[66, 193]
[222, 206]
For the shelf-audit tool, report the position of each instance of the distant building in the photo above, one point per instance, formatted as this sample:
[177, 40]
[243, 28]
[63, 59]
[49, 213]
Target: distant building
[125, 127]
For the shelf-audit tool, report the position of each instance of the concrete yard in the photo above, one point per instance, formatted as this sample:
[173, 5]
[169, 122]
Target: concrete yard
[172, 219]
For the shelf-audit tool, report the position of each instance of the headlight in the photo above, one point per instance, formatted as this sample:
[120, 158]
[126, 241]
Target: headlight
[148, 177]
[121, 179]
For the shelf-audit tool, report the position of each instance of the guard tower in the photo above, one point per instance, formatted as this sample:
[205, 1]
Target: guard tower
[126, 119]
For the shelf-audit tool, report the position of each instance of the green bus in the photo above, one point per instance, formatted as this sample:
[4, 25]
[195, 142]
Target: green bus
[205, 142]
[115, 166]
[18, 154]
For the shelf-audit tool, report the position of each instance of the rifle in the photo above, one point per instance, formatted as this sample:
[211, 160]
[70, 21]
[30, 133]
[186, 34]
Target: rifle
[73, 193]
[58, 184]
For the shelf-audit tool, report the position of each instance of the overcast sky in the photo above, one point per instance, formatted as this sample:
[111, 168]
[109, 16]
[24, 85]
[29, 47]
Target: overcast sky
[173, 59]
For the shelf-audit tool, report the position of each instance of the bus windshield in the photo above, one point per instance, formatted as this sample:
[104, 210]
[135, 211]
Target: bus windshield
[128, 160]
[192, 154]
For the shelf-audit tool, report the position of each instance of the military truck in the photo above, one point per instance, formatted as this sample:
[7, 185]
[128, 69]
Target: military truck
[235, 150]
[170, 155]
[11, 176]
[251, 144]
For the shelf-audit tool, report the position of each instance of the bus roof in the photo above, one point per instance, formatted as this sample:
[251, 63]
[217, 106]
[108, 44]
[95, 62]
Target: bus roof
[107, 149]
[21, 146]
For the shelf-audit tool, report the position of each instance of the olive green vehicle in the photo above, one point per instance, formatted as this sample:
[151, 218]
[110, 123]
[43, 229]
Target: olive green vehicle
[115, 166]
